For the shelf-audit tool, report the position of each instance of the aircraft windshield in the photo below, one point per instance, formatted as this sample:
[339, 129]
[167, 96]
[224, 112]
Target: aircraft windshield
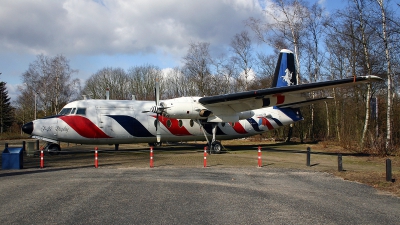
[64, 111]
[68, 111]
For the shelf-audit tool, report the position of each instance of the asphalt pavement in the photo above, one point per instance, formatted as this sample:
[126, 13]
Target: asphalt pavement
[168, 195]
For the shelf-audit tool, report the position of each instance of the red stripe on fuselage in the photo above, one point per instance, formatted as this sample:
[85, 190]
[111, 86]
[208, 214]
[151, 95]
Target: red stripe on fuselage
[266, 122]
[84, 127]
[238, 128]
[174, 126]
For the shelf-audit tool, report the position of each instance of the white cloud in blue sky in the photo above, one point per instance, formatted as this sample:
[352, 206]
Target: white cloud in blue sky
[94, 34]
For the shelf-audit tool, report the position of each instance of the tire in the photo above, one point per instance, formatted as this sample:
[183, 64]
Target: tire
[216, 147]
[155, 144]
[54, 149]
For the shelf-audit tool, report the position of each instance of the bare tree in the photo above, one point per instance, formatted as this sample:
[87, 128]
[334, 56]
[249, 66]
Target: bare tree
[226, 74]
[313, 54]
[50, 79]
[286, 29]
[197, 66]
[265, 68]
[114, 79]
[178, 85]
[142, 81]
[242, 56]
[386, 44]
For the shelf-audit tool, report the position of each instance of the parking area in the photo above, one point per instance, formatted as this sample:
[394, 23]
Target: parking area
[179, 190]
[169, 195]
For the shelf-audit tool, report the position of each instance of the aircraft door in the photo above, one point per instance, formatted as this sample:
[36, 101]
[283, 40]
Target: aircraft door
[105, 123]
[116, 122]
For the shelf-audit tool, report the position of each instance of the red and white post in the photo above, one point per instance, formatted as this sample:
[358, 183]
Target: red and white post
[205, 156]
[41, 158]
[151, 157]
[96, 158]
[259, 157]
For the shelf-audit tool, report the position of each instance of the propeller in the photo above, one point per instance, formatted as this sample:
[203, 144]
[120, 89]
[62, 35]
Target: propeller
[158, 109]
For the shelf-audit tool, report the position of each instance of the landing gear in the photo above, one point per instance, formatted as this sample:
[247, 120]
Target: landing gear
[155, 144]
[52, 148]
[216, 147]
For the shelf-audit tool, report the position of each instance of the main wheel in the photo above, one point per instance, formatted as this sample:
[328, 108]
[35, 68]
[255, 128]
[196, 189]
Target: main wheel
[216, 147]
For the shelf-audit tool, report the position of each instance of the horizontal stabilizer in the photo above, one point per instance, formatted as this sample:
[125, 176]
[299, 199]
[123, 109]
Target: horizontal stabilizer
[306, 102]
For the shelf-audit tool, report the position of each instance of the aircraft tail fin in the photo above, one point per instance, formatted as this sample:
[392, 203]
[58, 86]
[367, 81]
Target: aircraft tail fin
[285, 75]
[285, 71]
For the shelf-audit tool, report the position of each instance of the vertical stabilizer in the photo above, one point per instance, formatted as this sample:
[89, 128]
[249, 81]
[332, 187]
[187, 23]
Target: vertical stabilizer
[285, 71]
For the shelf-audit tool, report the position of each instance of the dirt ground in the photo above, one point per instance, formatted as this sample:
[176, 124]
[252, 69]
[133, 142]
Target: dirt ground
[237, 153]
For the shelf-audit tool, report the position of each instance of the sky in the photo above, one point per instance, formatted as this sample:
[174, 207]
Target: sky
[94, 34]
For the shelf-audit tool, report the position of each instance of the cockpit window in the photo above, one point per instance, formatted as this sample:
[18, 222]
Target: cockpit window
[68, 111]
[81, 111]
[64, 111]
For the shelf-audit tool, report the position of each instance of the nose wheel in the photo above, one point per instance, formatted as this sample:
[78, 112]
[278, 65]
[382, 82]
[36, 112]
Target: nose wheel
[52, 148]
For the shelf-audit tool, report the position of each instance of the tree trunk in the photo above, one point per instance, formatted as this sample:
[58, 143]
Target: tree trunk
[389, 78]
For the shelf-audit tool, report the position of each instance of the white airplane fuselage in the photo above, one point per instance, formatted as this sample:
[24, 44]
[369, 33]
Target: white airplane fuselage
[123, 121]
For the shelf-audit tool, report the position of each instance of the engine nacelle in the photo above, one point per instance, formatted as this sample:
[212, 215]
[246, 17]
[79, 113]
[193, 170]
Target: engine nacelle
[185, 108]
[189, 108]
[245, 115]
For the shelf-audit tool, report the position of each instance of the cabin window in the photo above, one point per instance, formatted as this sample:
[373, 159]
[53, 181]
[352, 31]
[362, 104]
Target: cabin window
[81, 111]
[223, 124]
[191, 123]
[180, 123]
[169, 123]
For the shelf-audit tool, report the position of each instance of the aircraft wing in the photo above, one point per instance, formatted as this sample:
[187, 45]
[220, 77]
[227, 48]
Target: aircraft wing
[288, 95]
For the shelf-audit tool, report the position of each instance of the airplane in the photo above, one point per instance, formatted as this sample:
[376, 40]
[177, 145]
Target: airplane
[219, 117]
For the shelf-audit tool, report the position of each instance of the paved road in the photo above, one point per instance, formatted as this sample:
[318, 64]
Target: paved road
[168, 195]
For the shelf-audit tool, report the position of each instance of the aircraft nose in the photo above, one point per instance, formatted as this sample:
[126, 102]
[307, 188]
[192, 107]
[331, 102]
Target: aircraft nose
[28, 128]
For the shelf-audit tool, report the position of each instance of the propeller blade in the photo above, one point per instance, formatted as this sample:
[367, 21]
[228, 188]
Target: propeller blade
[158, 133]
[157, 93]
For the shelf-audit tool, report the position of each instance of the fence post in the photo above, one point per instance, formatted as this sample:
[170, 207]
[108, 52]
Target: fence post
[308, 156]
[389, 170]
[340, 163]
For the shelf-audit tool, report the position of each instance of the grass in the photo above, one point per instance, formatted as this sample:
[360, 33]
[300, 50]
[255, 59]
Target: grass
[238, 153]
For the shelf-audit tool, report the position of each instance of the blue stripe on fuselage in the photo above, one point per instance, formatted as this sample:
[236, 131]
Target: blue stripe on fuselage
[132, 126]
[254, 124]
[292, 113]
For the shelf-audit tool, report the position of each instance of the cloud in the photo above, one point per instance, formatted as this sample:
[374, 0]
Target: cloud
[85, 27]
[13, 92]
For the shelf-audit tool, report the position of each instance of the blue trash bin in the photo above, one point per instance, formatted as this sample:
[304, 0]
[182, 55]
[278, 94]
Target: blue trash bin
[12, 158]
